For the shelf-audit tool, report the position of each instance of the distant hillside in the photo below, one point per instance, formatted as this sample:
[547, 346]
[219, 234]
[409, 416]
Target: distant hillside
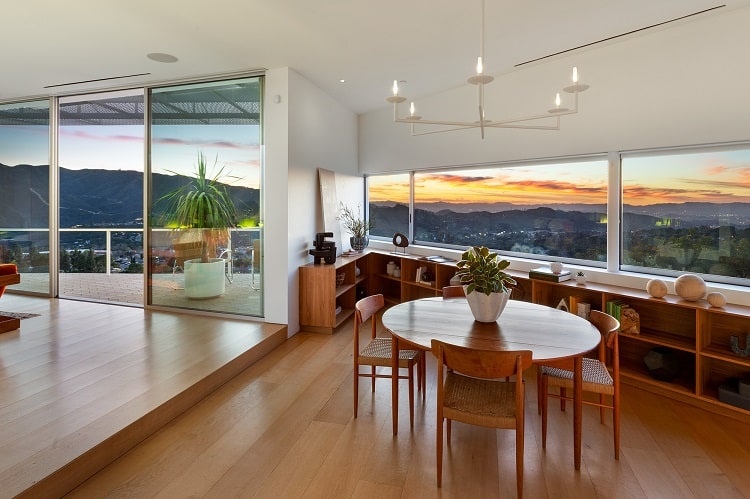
[91, 198]
[390, 217]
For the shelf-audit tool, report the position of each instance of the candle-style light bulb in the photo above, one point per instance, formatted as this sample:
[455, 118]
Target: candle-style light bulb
[411, 109]
[395, 88]
[575, 74]
[480, 68]
[557, 99]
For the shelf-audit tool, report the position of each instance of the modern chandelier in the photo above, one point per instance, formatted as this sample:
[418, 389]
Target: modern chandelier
[548, 121]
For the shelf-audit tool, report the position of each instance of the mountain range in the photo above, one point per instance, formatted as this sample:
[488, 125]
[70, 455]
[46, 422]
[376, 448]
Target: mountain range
[92, 197]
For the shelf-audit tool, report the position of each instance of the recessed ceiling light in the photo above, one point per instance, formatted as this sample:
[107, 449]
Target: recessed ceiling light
[342, 80]
[161, 57]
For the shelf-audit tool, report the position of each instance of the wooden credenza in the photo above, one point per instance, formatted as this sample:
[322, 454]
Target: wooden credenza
[695, 334]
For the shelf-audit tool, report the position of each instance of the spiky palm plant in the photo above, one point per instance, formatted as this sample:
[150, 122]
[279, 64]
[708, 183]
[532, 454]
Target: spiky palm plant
[204, 204]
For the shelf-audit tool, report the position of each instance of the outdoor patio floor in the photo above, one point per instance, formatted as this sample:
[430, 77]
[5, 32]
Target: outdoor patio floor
[127, 289]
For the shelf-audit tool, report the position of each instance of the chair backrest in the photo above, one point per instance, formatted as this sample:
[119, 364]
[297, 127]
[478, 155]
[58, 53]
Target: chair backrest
[487, 364]
[608, 326]
[453, 292]
[364, 309]
[187, 251]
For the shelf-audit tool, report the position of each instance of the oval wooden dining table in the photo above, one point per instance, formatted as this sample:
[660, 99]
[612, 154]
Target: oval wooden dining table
[551, 335]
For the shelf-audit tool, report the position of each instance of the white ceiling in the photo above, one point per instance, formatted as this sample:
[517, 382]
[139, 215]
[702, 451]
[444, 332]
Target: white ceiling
[431, 44]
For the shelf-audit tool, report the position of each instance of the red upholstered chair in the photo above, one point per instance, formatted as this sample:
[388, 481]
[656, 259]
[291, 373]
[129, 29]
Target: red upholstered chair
[7, 269]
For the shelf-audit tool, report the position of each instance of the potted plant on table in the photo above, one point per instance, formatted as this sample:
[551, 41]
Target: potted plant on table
[357, 226]
[203, 204]
[486, 285]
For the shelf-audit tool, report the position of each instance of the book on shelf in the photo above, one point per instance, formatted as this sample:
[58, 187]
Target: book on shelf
[583, 310]
[579, 308]
[436, 258]
[629, 319]
[338, 310]
[546, 274]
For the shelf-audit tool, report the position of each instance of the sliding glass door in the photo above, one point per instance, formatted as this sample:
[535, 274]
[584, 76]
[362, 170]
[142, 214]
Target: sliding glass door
[205, 143]
[25, 193]
[100, 158]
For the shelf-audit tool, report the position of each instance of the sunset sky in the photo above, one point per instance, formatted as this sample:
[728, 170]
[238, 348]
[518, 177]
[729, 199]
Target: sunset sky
[722, 176]
[120, 147]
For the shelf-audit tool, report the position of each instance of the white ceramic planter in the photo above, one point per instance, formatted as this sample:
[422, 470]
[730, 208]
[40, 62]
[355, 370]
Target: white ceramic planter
[204, 280]
[486, 308]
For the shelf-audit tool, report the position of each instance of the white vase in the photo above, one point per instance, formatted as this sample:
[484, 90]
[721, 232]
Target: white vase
[486, 308]
[204, 280]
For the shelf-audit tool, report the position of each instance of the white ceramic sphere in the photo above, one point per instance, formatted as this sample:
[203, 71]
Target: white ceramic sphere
[716, 299]
[656, 288]
[690, 287]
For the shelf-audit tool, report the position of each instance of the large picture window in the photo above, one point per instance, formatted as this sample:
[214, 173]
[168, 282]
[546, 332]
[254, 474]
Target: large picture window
[687, 211]
[553, 210]
[388, 198]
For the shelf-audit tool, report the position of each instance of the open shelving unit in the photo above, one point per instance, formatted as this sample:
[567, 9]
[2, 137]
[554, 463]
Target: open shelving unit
[696, 334]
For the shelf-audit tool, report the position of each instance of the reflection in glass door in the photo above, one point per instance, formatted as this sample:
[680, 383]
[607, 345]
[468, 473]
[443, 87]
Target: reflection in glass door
[100, 158]
[197, 263]
[24, 192]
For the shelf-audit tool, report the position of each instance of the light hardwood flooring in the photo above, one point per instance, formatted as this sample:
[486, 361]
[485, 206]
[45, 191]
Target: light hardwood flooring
[84, 382]
[283, 428]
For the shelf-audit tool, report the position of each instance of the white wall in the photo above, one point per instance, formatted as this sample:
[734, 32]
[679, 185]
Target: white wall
[686, 84]
[305, 130]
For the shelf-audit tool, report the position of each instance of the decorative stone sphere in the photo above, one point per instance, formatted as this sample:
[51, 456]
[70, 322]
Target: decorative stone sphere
[656, 288]
[716, 299]
[690, 287]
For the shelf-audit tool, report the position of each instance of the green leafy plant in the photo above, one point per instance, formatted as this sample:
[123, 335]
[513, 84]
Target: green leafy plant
[482, 271]
[353, 223]
[203, 203]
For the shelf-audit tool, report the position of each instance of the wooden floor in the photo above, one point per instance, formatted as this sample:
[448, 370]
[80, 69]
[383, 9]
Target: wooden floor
[83, 383]
[283, 428]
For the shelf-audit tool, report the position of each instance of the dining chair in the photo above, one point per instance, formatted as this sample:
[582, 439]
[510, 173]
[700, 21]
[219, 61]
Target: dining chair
[377, 353]
[597, 378]
[453, 292]
[470, 392]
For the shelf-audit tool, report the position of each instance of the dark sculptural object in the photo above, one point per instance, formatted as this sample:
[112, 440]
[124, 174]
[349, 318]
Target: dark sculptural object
[662, 364]
[325, 250]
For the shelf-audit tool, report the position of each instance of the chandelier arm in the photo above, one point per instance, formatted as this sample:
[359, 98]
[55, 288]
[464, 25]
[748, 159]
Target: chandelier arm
[518, 127]
[480, 79]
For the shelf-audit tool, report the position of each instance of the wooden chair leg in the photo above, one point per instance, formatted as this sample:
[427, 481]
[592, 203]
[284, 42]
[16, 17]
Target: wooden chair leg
[373, 378]
[563, 396]
[543, 398]
[356, 390]
[519, 456]
[448, 431]
[439, 453]
[411, 396]
[616, 425]
[538, 389]
[601, 408]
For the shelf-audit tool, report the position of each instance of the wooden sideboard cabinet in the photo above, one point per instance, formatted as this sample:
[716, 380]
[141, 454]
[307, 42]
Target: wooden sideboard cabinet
[326, 303]
[694, 335]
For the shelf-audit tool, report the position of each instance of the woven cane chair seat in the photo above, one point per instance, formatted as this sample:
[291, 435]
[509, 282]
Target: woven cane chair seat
[596, 377]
